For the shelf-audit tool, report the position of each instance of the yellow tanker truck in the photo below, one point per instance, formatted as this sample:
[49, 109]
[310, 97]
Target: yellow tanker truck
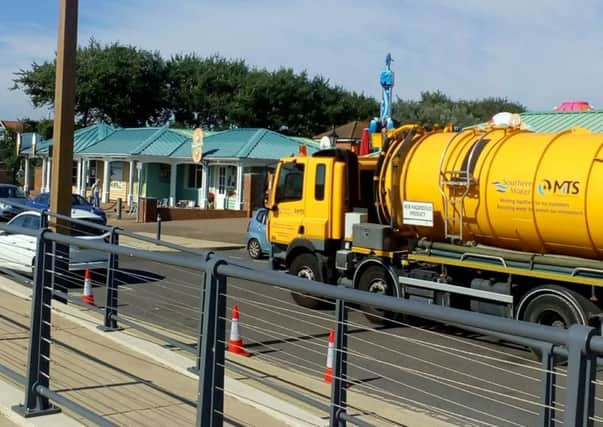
[498, 220]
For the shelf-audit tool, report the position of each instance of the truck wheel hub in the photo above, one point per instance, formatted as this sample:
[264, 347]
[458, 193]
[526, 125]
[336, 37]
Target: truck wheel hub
[306, 273]
[378, 287]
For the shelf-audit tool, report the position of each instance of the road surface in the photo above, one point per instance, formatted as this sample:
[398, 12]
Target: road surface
[469, 378]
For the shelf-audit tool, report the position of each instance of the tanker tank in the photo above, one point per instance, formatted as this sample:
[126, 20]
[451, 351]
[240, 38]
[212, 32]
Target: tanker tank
[502, 187]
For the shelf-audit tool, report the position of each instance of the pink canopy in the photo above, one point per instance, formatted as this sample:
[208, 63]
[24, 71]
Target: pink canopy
[574, 106]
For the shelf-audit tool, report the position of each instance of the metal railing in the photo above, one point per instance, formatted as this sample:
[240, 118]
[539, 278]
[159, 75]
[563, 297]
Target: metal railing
[579, 345]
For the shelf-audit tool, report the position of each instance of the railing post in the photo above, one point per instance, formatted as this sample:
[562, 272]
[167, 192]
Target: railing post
[210, 405]
[119, 207]
[338, 387]
[110, 321]
[547, 410]
[38, 357]
[158, 227]
[579, 392]
[195, 369]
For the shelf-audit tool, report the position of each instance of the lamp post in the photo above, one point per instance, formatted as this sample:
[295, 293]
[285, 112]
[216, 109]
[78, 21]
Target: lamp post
[333, 137]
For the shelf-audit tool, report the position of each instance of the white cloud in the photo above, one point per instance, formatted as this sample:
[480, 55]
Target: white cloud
[538, 52]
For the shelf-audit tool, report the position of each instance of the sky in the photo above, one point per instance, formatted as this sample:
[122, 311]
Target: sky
[537, 52]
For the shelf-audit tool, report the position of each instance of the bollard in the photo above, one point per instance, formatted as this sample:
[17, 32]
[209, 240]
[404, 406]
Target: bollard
[158, 227]
[119, 208]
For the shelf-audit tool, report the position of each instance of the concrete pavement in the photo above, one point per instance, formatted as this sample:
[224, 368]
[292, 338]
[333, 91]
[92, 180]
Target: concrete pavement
[186, 242]
[231, 230]
[111, 379]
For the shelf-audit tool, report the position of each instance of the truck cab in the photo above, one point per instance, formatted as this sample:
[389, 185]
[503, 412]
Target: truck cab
[310, 196]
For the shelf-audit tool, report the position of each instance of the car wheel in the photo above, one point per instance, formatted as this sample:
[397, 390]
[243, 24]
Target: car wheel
[254, 248]
[306, 266]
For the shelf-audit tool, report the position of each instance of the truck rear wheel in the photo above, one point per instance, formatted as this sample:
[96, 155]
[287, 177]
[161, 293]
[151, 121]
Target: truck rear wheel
[306, 266]
[556, 306]
[375, 279]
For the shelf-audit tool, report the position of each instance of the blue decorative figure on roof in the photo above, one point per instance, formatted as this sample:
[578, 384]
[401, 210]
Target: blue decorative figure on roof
[387, 84]
[386, 80]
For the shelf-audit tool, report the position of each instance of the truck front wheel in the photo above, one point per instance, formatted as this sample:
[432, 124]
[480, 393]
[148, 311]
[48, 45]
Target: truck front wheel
[306, 266]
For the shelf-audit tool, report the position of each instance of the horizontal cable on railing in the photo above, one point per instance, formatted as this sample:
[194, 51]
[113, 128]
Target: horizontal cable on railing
[440, 366]
[446, 349]
[296, 309]
[444, 336]
[419, 342]
[151, 280]
[349, 378]
[68, 276]
[163, 306]
[397, 399]
[444, 381]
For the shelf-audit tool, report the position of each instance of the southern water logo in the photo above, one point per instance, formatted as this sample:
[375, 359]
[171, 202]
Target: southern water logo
[501, 187]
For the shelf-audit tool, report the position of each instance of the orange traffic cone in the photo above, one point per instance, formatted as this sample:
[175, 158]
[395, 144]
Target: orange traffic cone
[235, 344]
[88, 296]
[330, 357]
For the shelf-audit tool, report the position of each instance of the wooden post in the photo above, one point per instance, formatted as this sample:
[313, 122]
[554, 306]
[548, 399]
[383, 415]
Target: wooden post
[64, 106]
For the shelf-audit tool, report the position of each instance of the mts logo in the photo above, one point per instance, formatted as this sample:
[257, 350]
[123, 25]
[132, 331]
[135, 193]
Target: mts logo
[547, 186]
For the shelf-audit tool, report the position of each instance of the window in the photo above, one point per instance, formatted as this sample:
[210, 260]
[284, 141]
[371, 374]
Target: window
[290, 182]
[27, 221]
[164, 173]
[42, 199]
[319, 188]
[12, 192]
[261, 216]
[74, 173]
[221, 180]
[77, 200]
[91, 172]
[195, 176]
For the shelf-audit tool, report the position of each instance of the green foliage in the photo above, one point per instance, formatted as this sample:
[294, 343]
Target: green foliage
[8, 154]
[127, 86]
[217, 93]
[115, 83]
[437, 108]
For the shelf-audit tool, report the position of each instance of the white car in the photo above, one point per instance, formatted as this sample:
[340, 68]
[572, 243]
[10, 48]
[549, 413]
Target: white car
[18, 251]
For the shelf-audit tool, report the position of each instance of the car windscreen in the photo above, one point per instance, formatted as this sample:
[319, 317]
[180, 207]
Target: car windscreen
[42, 199]
[78, 200]
[12, 192]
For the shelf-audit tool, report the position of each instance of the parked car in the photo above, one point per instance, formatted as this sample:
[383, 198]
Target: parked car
[42, 201]
[257, 241]
[17, 251]
[11, 201]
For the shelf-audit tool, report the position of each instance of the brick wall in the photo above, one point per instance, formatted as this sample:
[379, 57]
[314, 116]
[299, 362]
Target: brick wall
[175, 214]
[3, 173]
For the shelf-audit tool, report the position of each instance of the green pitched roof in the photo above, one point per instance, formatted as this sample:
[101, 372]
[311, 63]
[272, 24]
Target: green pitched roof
[150, 141]
[248, 143]
[554, 121]
[82, 138]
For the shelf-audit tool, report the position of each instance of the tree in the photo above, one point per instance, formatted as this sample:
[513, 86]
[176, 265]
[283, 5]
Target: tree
[218, 93]
[8, 154]
[437, 108]
[204, 91]
[116, 83]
